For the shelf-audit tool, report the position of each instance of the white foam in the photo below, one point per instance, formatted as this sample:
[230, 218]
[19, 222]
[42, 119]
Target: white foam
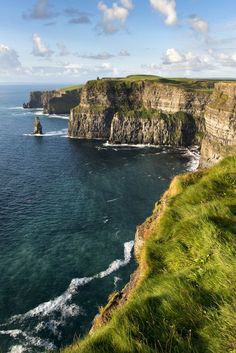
[138, 145]
[53, 116]
[63, 303]
[62, 133]
[16, 108]
[112, 200]
[193, 153]
[116, 280]
[29, 340]
[17, 349]
[12, 333]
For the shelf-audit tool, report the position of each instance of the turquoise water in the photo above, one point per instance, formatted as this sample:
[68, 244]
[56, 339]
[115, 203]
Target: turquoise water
[68, 214]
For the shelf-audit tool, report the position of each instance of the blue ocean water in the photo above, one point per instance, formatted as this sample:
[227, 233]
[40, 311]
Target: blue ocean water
[68, 213]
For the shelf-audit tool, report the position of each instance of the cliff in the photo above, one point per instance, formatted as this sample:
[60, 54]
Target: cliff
[220, 124]
[159, 112]
[126, 111]
[182, 297]
[54, 102]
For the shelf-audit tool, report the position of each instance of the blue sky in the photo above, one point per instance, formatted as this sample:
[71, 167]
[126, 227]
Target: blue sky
[76, 40]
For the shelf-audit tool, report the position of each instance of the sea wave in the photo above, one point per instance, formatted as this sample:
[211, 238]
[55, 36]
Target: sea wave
[54, 116]
[194, 155]
[191, 152]
[138, 145]
[62, 304]
[26, 109]
[29, 341]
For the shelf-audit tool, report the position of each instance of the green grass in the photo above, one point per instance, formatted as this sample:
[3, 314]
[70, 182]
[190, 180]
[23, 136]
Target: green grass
[186, 301]
[71, 88]
[194, 85]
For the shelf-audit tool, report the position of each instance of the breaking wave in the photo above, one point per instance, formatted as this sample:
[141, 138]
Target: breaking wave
[62, 305]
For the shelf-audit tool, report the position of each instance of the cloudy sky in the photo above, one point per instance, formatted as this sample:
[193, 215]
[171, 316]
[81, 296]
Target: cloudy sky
[75, 40]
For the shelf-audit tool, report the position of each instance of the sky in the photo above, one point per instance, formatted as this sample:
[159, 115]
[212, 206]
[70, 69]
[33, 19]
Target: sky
[72, 41]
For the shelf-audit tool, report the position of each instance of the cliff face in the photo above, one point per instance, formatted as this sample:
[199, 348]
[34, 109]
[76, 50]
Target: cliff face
[38, 99]
[220, 124]
[138, 112]
[150, 112]
[54, 102]
[177, 129]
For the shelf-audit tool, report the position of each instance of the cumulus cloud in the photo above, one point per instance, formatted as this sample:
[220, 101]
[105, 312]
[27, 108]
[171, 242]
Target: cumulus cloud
[114, 17]
[40, 11]
[9, 60]
[173, 56]
[127, 3]
[40, 49]
[174, 60]
[166, 8]
[198, 24]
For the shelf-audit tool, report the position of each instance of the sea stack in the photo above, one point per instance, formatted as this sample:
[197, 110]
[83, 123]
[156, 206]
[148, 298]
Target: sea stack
[38, 130]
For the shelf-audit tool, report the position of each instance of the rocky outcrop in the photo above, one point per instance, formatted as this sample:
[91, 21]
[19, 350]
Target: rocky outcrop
[220, 124]
[38, 130]
[54, 102]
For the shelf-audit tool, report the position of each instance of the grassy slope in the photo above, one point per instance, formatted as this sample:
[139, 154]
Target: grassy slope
[186, 301]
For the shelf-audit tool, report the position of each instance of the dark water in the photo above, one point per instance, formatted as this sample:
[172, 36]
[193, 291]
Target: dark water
[68, 213]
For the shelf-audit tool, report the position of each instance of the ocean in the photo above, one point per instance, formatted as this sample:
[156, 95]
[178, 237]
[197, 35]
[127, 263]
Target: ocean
[68, 214]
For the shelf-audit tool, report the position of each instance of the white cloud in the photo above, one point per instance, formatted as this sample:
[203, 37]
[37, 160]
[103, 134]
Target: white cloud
[166, 8]
[127, 3]
[173, 56]
[9, 60]
[226, 59]
[40, 49]
[174, 60]
[114, 17]
[198, 24]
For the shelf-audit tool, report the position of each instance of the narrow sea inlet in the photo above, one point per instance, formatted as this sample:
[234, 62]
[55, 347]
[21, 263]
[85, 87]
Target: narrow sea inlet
[68, 213]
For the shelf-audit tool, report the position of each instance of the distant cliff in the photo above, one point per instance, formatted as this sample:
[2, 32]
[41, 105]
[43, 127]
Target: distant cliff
[149, 110]
[159, 112]
[54, 102]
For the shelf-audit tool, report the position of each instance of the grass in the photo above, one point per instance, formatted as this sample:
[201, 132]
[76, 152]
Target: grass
[71, 88]
[194, 85]
[186, 300]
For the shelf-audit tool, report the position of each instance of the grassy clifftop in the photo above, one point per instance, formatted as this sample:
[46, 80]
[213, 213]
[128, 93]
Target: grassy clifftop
[194, 85]
[185, 300]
